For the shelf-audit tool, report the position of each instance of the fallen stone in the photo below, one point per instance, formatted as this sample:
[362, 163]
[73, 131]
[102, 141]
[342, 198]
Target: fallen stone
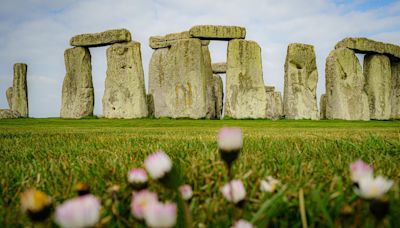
[101, 39]
[345, 95]
[274, 103]
[245, 91]
[77, 98]
[378, 86]
[9, 114]
[218, 95]
[218, 32]
[168, 40]
[219, 68]
[366, 46]
[301, 77]
[124, 94]
[19, 101]
[9, 96]
[395, 69]
[322, 107]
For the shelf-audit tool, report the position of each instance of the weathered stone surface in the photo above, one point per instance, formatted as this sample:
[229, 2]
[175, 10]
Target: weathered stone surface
[364, 45]
[345, 95]
[322, 107]
[177, 80]
[19, 101]
[301, 77]
[150, 105]
[158, 82]
[274, 103]
[210, 103]
[245, 91]
[218, 32]
[218, 95]
[101, 39]
[8, 114]
[395, 69]
[219, 68]
[9, 92]
[187, 80]
[124, 94]
[157, 42]
[378, 86]
[77, 92]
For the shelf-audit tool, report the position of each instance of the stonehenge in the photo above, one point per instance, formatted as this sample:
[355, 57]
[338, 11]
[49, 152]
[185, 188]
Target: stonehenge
[124, 94]
[301, 77]
[184, 82]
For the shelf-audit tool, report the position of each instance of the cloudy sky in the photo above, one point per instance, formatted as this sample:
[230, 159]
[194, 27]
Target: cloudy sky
[37, 32]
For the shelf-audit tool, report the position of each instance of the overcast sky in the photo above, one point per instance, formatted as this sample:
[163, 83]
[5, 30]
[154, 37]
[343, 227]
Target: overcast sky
[37, 32]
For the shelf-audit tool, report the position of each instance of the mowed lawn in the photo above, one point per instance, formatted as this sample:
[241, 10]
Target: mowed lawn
[309, 156]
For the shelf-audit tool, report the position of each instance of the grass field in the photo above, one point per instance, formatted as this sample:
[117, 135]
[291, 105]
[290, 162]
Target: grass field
[311, 156]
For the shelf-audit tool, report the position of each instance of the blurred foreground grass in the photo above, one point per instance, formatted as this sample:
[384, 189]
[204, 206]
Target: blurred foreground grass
[312, 156]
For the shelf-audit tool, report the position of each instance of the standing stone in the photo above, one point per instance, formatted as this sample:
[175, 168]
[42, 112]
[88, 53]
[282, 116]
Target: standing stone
[274, 103]
[345, 95]
[301, 77]
[124, 94]
[185, 76]
[395, 65]
[9, 96]
[19, 101]
[217, 32]
[245, 90]
[378, 86]
[77, 99]
[210, 103]
[101, 39]
[322, 107]
[218, 95]
[150, 105]
[158, 82]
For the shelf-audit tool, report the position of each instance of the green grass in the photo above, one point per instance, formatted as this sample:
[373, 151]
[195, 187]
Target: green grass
[53, 154]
